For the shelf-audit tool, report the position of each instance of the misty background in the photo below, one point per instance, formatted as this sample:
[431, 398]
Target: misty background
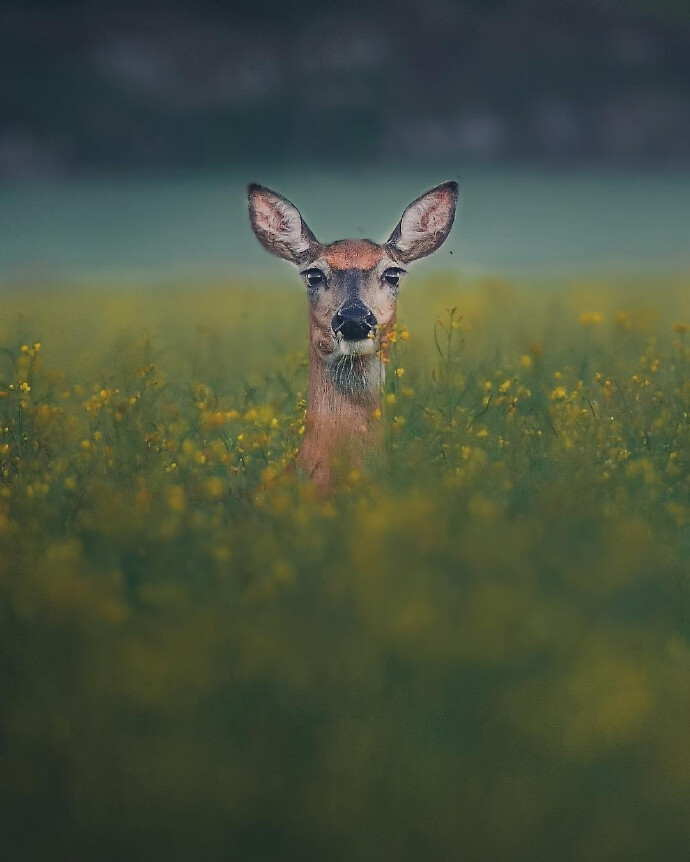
[128, 131]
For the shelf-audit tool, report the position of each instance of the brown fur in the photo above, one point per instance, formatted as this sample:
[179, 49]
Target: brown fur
[353, 254]
[338, 429]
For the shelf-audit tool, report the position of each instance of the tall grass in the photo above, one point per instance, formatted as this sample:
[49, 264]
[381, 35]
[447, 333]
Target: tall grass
[476, 649]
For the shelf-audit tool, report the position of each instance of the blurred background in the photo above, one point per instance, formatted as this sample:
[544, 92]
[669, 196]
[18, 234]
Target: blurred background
[128, 131]
[189, 85]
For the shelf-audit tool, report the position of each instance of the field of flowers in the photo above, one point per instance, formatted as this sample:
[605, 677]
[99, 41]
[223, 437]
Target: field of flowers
[477, 648]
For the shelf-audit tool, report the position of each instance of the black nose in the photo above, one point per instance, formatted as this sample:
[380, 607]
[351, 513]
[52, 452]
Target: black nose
[354, 321]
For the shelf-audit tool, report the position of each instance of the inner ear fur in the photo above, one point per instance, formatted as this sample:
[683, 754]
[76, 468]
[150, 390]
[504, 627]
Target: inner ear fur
[279, 226]
[425, 224]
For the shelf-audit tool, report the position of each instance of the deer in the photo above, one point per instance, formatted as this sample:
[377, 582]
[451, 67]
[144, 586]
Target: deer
[352, 287]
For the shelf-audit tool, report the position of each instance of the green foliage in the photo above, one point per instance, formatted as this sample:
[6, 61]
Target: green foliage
[477, 648]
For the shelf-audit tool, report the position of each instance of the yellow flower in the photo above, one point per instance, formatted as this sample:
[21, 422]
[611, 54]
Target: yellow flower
[176, 499]
[480, 506]
[644, 469]
[526, 361]
[591, 318]
[212, 419]
[399, 372]
[558, 393]
[142, 500]
[215, 487]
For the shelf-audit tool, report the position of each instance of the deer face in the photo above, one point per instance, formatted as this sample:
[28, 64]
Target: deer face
[352, 284]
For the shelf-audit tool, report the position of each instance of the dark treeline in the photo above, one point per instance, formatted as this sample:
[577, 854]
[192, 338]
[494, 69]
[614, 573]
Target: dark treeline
[109, 85]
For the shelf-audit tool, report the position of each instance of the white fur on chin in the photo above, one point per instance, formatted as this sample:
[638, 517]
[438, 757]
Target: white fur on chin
[355, 369]
[365, 347]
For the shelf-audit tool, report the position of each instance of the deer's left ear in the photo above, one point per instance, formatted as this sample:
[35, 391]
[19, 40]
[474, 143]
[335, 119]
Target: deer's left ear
[278, 225]
[425, 224]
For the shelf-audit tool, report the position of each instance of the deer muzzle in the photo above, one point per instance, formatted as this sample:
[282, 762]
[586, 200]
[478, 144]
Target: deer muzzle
[354, 321]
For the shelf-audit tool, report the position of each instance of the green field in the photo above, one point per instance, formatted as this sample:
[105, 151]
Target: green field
[477, 649]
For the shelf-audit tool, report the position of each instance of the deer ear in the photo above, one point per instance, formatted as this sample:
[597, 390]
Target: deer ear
[278, 225]
[425, 224]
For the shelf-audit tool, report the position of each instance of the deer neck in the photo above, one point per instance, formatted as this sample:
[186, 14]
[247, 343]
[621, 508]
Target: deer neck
[340, 405]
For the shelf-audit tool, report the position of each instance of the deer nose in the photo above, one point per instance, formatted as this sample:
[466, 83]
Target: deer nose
[354, 321]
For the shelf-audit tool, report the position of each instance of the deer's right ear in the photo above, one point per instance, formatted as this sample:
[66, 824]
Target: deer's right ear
[278, 225]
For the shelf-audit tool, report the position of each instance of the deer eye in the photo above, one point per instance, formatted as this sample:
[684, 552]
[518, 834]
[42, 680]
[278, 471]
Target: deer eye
[314, 277]
[392, 276]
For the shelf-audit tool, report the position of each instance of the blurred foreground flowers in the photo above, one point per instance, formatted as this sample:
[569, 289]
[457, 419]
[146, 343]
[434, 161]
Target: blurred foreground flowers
[480, 642]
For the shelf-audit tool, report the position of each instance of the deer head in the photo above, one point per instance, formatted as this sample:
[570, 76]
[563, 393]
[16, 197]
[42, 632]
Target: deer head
[352, 285]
